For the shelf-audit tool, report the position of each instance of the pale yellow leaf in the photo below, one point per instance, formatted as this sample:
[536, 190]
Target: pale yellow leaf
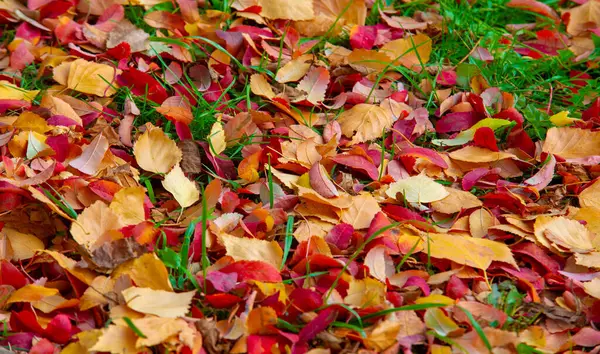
[287, 9]
[380, 263]
[158, 330]
[294, 69]
[417, 189]
[590, 197]
[361, 212]
[185, 191]
[117, 339]
[331, 16]
[158, 302]
[128, 204]
[480, 221]
[478, 154]
[456, 201]
[364, 122]
[217, 139]
[573, 144]
[155, 152]
[563, 234]
[252, 249]
[93, 222]
[593, 287]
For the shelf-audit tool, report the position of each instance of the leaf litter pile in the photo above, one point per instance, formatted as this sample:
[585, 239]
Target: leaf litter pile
[291, 176]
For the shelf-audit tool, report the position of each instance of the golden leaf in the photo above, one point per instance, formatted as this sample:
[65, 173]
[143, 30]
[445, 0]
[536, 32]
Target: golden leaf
[216, 137]
[412, 52]
[128, 204]
[251, 249]
[9, 91]
[24, 246]
[87, 77]
[456, 201]
[287, 9]
[364, 122]
[573, 144]
[362, 210]
[146, 271]
[365, 292]
[563, 234]
[155, 152]
[94, 222]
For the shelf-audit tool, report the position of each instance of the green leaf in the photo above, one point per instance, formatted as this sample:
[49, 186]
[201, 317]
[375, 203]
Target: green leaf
[467, 135]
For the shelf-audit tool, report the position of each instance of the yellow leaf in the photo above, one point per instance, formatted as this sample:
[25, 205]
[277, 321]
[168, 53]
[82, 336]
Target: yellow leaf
[261, 319]
[117, 339]
[296, 10]
[155, 152]
[217, 139]
[583, 17]
[36, 146]
[31, 293]
[251, 249]
[146, 271]
[477, 154]
[24, 246]
[361, 212]
[437, 320]
[572, 144]
[417, 189]
[368, 61]
[248, 167]
[383, 335]
[9, 91]
[128, 204]
[562, 118]
[31, 121]
[440, 349]
[412, 52]
[60, 107]
[99, 293]
[480, 221]
[591, 215]
[331, 16]
[91, 157]
[85, 275]
[563, 234]
[364, 122]
[456, 201]
[295, 69]
[593, 287]
[590, 197]
[475, 252]
[269, 289]
[93, 222]
[158, 302]
[185, 191]
[435, 299]
[87, 77]
[260, 86]
[365, 292]
[158, 330]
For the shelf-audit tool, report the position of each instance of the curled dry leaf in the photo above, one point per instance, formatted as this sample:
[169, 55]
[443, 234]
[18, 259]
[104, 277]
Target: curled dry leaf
[155, 152]
[320, 181]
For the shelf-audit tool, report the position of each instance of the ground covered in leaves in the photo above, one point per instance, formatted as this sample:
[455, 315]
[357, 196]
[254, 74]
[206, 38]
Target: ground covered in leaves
[291, 176]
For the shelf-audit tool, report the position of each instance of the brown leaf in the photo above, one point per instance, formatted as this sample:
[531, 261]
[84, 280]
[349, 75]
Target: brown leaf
[364, 122]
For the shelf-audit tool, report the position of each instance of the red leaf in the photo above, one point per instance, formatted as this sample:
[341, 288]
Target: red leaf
[363, 37]
[358, 163]
[142, 84]
[485, 138]
[10, 275]
[253, 270]
[428, 154]
[340, 236]
[534, 6]
[222, 300]
[317, 325]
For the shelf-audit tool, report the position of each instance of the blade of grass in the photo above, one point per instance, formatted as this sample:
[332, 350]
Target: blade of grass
[133, 327]
[414, 307]
[477, 328]
[289, 237]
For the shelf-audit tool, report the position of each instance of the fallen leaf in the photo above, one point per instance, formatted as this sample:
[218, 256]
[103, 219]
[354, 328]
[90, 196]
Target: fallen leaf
[22, 245]
[320, 182]
[155, 152]
[9, 91]
[331, 16]
[158, 302]
[315, 84]
[590, 197]
[296, 10]
[185, 192]
[128, 204]
[365, 292]
[412, 52]
[583, 17]
[437, 320]
[361, 212]
[87, 77]
[380, 263]
[456, 201]
[251, 249]
[93, 223]
[563, 234]
[417, 189]
[364, 122]
[573, 144]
